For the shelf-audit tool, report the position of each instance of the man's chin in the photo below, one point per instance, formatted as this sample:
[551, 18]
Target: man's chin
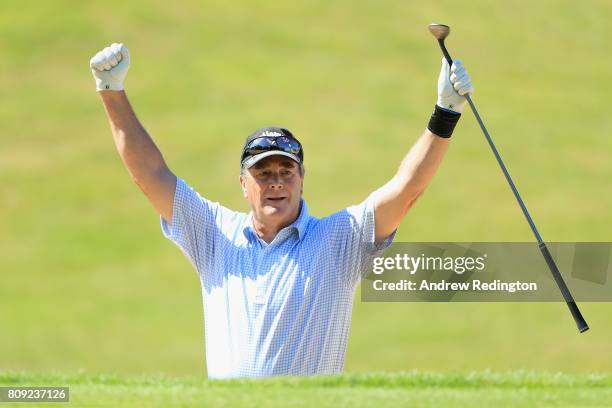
[274, 210]
[281, 209]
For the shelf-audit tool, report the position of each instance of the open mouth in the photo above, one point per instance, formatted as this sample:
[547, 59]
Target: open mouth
[276, 199]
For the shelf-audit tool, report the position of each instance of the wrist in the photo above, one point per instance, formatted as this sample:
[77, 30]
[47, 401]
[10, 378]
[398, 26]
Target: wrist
[443, 121]
[108, 86]
[451, 105]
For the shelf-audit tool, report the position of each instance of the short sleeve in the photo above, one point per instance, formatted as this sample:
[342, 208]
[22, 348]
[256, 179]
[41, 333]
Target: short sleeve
[353, 237]
[194, 225]
[364, 226]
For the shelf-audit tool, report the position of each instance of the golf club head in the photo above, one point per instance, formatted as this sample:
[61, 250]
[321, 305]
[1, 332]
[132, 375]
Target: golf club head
[440, 31]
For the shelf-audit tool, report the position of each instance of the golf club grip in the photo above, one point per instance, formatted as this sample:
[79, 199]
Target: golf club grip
[571, 304]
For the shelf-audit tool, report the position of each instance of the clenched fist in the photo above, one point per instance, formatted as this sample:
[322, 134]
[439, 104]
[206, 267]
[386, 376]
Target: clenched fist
[453, 83]
[110, 66]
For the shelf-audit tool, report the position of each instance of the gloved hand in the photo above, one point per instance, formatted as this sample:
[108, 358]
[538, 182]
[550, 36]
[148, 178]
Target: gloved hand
[453, 84]
[110, 66]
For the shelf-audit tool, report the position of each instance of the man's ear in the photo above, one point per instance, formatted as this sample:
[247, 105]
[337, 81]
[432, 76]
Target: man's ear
[243, 185]
[302, 174]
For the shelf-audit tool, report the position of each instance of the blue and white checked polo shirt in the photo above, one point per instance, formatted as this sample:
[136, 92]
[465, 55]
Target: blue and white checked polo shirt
[282, 308]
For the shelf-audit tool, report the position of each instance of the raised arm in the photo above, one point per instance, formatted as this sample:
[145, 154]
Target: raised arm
[394, 199]
[136, 148]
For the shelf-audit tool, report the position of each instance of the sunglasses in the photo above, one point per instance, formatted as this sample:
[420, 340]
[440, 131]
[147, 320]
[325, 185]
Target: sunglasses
[266, 144]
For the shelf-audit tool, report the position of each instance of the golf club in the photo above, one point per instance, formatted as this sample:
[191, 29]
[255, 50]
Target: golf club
[441, 31]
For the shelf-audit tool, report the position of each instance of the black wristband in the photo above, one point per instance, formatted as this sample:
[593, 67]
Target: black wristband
[443, 122]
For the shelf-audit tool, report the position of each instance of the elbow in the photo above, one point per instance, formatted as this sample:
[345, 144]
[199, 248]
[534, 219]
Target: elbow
[411, 198]
[141, 181]
[152, 175]
[409, 191]
[406, 195]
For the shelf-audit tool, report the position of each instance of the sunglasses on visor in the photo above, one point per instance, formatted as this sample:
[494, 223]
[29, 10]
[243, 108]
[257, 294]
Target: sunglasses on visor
[266, 144]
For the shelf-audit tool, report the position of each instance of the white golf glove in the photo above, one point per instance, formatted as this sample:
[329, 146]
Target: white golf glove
[110, 66]
[453, 84]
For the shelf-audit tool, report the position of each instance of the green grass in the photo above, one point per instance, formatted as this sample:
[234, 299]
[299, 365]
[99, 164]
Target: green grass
[89, 283]
[477, 388]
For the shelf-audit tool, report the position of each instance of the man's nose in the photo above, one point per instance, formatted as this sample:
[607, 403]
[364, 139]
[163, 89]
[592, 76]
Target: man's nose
[275, 182]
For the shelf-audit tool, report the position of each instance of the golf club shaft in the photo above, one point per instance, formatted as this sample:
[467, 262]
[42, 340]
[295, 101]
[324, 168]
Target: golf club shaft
[571, 304]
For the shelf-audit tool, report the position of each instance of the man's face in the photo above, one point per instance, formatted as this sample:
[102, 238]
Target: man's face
[273, 188]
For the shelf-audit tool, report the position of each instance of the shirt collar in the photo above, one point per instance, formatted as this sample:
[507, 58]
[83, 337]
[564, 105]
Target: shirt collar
[299, 225]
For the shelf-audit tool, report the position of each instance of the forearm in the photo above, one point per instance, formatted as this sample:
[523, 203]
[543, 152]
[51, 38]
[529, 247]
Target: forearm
[419, 165]
[136, 148]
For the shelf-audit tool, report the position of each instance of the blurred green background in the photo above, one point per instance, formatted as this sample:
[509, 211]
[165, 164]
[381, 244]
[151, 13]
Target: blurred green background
[88, 281]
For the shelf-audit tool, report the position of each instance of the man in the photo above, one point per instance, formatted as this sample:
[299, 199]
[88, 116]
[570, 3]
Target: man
[278, 284]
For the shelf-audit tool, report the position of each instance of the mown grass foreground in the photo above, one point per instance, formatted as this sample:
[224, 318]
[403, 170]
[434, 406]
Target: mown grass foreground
[415, 389]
